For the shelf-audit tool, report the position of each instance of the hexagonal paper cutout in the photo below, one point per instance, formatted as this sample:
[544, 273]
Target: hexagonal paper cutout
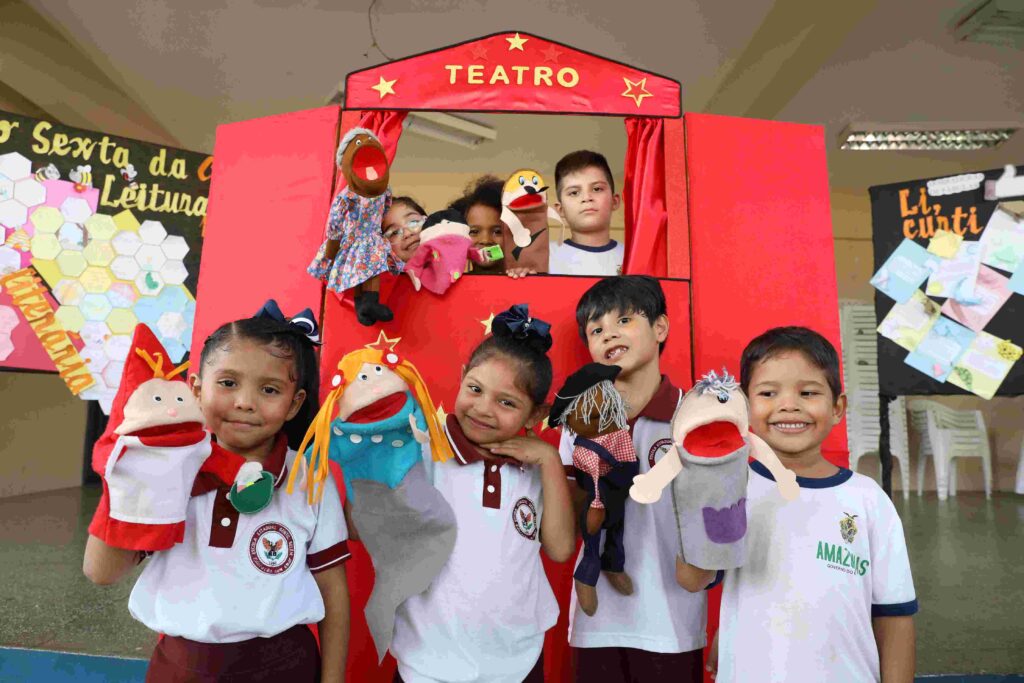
[45, 246]
[98, 253]
[71, 263]
[75, 209]
[174, 298]
[175, 247]
[100, 226]
[126, 243]
[126, 220]
[152, 232]
[30, 192]
[171, 325]
[20, 240]
[175, 350]
[95, 307]
[71, 236]
[149, 283]
[48, 269]
[15, 166]
[112, 373]
[70, 318]
[150, 257]
[95, 358]
[47, 219]
[68, 292]
[10, 260]
[125, 267]
[148, 310]
[96, 279]
[122, 294]
[6, 347]
[94, 332]
[174, 272]
[8, 320]
[6, 188]
[13, 213]
[118, 346]
[121, 321]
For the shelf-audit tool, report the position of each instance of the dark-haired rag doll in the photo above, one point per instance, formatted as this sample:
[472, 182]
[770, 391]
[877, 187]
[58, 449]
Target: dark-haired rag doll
[711, 443]
[354, 252]
[593, 411]
[445, 248]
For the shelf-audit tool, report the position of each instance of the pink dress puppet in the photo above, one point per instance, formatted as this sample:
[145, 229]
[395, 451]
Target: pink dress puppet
[445, 248]
[355, 253]
[151, 452]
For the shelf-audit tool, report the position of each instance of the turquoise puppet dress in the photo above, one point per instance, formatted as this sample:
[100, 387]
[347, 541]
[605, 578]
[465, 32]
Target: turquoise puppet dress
[405, 523]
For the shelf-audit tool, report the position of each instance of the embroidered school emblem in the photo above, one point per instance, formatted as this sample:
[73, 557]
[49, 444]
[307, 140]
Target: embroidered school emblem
[271, 548]
[848, 527]
[659, 449]
[524, 517]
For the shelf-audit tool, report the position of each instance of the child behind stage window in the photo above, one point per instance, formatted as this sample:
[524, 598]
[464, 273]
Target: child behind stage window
[484, 617]
[401, 225]
[481, 207]
[225, 609]
[830, 574]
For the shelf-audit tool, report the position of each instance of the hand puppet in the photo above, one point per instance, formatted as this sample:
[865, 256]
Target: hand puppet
[154, 446]
[712, 442]
[355, 253]
[385, 420]
[445, 248]
[591, 409]
[525, 210]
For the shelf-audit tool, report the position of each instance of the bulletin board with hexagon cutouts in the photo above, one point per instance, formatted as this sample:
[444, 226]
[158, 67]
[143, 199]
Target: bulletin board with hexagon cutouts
[97, 233]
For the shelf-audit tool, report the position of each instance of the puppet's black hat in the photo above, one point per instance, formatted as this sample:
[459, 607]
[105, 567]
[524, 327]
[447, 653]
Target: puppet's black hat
[578, 382]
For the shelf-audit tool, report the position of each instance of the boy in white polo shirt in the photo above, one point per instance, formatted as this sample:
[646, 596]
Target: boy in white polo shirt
[826, 593]
[649, 629]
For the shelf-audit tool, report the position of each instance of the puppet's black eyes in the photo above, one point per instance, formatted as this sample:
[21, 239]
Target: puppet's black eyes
[363, 376]
[522, 180]
[180, 399]
[378, 369]
[723, 398]
[359, 142]
[536, 180]
[157, 399]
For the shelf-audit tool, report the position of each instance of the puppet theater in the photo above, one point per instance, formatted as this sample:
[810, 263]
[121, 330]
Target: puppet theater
[738, 233]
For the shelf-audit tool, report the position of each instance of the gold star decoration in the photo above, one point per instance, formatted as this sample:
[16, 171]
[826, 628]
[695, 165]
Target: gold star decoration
[441, 415]
[551, 54]
[637, 90]
[385, 87]
[516, 43]
[384, 342]
[479, 52]
[487, 324]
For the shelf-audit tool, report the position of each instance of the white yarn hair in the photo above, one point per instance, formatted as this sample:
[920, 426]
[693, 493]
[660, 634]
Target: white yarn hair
[613, 408]
[713, 384]
[347, 138]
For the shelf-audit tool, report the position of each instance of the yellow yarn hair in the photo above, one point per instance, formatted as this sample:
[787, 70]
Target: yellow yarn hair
[319, 432]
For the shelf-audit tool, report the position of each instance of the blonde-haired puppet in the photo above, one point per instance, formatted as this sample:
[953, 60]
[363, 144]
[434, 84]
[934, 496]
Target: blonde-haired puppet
[385, 420]
[711, 443]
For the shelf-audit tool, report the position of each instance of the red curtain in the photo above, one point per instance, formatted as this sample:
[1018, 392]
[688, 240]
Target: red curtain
[644, 196]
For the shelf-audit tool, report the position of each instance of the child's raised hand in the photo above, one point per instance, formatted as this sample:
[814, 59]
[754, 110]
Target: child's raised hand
[528, 450]
[517, 273]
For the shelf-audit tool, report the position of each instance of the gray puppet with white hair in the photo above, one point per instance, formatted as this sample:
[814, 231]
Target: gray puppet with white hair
[354, 252]
[711, 443]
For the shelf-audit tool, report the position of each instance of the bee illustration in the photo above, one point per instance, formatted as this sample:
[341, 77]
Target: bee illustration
[48, 172]
[1007, 350]
[81, 176]
[129, 174]
[848, 527]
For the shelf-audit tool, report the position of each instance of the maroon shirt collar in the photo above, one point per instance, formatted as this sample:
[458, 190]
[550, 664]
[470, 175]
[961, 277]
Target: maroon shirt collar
[466, 452]
[662, 405]
[275, 464]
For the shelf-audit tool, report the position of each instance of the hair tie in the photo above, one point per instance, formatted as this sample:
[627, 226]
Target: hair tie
[304, 322]
[516, 323]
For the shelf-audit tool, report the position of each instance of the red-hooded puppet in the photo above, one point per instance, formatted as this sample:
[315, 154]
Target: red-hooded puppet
[154, 446]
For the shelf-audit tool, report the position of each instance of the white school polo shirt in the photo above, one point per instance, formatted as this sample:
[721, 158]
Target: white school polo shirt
[818, 569]
[238, 576]
[660, 616]
[484, 616]
[569, 258]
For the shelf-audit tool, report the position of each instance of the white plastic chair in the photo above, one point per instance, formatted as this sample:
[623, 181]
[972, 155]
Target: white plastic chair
[947, 434]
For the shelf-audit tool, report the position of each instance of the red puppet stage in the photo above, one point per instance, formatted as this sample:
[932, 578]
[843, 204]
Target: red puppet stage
[732, 214]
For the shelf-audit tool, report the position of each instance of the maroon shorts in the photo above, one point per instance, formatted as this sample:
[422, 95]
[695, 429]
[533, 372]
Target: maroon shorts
[536, 674]
[629, 665]
[291, 656]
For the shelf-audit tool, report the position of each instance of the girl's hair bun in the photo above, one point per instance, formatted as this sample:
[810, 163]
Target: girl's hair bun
[516, 326]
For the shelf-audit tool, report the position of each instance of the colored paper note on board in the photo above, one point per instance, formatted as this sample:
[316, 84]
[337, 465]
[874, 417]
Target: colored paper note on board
[941, 348]
[945, 243]
[990, 293]
[955, 277]
[908, 323]
[1003, 240]
[904, 271]
[985, 364]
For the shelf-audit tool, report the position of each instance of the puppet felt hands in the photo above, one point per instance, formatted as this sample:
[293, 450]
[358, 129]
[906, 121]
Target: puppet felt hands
[785, 479]
[417, 433]
[647, 487]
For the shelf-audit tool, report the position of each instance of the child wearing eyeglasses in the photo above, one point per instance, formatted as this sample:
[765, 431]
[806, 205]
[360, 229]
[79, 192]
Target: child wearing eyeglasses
[401, 227]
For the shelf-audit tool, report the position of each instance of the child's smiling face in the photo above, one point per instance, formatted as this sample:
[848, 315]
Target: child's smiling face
[791, 405]
[490, 407]
[628, 340]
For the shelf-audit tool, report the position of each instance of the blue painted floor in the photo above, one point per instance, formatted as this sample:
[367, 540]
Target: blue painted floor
[57, 667]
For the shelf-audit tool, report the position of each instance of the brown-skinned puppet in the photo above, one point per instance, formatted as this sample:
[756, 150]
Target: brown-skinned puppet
[604, 457]
[711, 443]
[154, 447]
[525, 211]
[355, 252]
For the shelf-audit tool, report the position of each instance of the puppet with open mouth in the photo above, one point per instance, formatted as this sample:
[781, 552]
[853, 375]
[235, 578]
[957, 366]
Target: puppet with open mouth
[711, 442]
[354, 252]
[525, 210]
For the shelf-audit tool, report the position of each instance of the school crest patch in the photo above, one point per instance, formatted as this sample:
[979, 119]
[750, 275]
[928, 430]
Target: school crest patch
[524, 517]
[848, 527]
[659, 449]
[271, 548]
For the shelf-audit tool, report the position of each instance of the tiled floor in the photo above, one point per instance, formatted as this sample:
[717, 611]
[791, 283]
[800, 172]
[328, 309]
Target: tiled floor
[967, 556]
